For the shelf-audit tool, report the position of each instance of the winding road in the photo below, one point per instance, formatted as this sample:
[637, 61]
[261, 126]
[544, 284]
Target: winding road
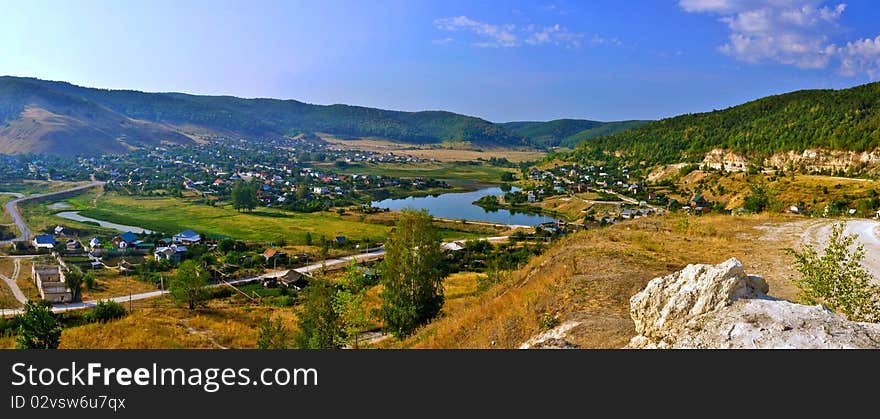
[11, 208]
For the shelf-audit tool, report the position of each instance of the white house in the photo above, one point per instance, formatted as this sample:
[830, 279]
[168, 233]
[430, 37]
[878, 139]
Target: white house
[44, 241]
[187, 237]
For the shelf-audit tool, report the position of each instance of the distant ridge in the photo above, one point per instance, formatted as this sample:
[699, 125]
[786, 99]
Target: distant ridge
[39, 116]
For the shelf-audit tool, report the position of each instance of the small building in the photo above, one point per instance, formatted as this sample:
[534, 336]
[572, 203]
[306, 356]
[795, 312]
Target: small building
[44, 241]
[187, 237]
[171, 253]
[294, 279]
[124, 240]
[339, 239]
[59, 230]
[72, 246]
[699, 201]
[271, 253]
[94, 243]
[50, 282]
[451, 247]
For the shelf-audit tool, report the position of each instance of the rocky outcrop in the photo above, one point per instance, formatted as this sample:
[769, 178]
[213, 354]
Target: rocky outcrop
[820, 159]
[721, 159]
[719, 306]
[554, 338]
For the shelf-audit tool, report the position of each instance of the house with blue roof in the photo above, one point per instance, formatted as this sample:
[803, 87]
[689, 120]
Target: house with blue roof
[44, 241]
[187, 237]
[125, 239]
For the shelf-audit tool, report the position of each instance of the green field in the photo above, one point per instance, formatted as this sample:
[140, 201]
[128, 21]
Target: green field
[171, 215]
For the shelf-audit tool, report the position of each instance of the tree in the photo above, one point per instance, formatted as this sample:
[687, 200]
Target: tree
[188, 284]
[411, 274]
[244, 196]
[74, 280]
[836, 278]
[38, 328]
[760, 199]
[308, 238]
[89, 281]
[349, 304]
[319, 324]
[273, 335]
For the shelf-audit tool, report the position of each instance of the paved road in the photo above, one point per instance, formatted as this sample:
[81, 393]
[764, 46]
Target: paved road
[11, 208]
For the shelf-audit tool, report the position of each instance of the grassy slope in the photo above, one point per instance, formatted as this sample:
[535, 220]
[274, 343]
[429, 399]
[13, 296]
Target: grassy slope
[236, 116]
[733, 188]
[590, 277]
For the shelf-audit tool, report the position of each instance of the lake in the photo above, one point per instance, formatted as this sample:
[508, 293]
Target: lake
[75, 216]
[458, 206]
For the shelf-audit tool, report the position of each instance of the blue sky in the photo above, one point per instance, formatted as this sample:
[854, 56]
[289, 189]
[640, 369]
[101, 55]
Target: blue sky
[500, 60]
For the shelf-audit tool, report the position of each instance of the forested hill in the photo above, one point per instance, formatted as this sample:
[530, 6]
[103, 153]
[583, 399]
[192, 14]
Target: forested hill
[567, 132]
[847, 119]
[224, 115]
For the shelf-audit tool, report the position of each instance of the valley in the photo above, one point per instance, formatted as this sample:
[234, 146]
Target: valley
[541, 228]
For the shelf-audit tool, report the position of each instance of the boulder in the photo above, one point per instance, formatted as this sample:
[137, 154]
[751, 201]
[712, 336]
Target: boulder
[720, 306]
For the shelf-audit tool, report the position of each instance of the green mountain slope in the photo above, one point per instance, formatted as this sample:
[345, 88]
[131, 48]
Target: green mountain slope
[847, 119]
[566, 132]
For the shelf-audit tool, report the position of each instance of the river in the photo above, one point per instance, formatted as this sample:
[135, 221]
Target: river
[458, 206]
[75, 216]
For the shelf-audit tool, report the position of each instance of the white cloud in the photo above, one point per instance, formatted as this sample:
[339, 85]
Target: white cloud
[862, 56]
[792, 32]
[494, 35]
[508, 35]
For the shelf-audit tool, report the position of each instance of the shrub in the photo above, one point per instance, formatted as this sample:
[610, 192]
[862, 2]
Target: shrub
[836, 278]
[105, 311]
[548, 321]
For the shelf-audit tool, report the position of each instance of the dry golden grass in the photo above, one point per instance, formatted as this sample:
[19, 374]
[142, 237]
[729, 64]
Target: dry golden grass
[7, 266]
[441, 152]
[590, 276]
[812, 190]
[7, 299]
[25, 281]
[111, 284]
[159, 324]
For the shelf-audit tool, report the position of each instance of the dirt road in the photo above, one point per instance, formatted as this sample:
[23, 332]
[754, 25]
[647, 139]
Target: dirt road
[866, 233]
